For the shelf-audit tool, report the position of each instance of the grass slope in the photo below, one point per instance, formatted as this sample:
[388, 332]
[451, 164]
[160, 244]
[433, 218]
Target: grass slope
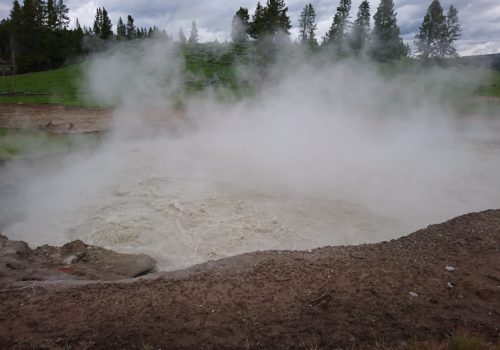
[59, 86]
[206, 66]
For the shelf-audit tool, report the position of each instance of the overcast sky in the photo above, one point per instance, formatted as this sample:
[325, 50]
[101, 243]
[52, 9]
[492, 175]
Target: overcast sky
[480, 19]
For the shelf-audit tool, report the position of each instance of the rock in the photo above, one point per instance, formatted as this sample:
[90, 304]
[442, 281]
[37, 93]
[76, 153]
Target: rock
[17, 248]
[73, 261]
[97, 263]
[413, 295]
[450, 268]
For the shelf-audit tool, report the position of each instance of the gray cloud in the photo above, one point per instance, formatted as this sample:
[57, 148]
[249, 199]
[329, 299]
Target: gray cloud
[480, 19]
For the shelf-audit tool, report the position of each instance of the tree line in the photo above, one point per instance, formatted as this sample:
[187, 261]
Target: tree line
[103, 29]
[436, 38]
[36, 35]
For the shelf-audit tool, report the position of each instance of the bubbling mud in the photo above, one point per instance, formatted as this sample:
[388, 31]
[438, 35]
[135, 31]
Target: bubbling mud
[182, 210]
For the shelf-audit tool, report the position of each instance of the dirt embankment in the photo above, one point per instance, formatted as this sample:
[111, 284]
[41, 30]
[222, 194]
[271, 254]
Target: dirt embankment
[425, 285]
[55, 118]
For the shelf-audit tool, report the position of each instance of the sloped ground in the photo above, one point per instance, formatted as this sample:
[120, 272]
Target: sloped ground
[54, 118]
[425, 285]
[20, 265]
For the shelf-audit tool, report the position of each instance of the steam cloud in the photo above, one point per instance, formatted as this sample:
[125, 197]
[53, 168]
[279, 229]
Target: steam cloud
[324, 154]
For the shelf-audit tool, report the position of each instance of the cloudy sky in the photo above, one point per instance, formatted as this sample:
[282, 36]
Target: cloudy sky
[480, 19]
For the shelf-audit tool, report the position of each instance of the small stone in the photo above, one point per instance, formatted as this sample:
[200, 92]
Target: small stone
[450, 285]
[413, 295]
[450, 268]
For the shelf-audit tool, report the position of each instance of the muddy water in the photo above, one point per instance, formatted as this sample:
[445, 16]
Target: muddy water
[183, 221]
[182, 204]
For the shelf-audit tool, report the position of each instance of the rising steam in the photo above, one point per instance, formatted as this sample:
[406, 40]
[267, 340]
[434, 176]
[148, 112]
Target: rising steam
[322, 154]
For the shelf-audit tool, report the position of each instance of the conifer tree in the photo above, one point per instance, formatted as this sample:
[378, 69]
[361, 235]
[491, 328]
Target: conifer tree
[432, 32]
[256, 29]
[97, 22]
[276, 20]
[387, 44]
[361, 30]
[438, 33]
[336, 35]
[271, 21]
[307, 26]
[51, 15]
[240, 25]
[106, 25]
[16, 22]
[62, 18]
[193, 36]
[130, 28]
[452, 34]
[121, 30]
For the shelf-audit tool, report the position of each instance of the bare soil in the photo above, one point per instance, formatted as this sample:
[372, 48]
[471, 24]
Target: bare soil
[54, 118]
[425, 285]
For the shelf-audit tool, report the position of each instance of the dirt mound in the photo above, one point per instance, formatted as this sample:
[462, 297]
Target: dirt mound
[21, 266]
[55, 118]
[425, 285]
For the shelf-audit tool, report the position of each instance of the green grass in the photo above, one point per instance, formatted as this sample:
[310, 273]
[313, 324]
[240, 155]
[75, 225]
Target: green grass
[58, 86]
[214, 66]
[36, 143]
[492, 85]
[207, 66]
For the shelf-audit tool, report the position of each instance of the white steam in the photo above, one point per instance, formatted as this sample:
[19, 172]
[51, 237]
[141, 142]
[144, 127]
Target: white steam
[327, 154]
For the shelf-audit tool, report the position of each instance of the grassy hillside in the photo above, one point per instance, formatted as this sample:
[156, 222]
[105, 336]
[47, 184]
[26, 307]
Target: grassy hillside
[207, 65]
[55, 86]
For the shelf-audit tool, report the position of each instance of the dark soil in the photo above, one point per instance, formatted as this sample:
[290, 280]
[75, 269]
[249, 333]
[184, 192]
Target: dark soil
[328, 298]
[20, 265]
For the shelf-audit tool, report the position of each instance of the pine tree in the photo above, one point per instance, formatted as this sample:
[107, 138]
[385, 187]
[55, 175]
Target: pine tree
[307, 26]
[336, 35]
[15, 14]
[106, 26]
[432, 32]
[182, 37]
[131, 34]
[16, 22]
[97, 22]
[121, 30]
[256, 29]
[240, 25]
[452, 34]
[193, 36]
[276, 20]
[62, 18]
[51, 15]
[387, 44]
[361, 30]
[270, 21]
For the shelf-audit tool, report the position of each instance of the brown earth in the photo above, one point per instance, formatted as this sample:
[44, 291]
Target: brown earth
[21, 265]
[54, 118]
[64, 119]
[425, 285]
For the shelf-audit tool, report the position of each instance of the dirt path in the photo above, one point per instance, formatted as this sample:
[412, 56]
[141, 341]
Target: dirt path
[328, 298]
[54, 118]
